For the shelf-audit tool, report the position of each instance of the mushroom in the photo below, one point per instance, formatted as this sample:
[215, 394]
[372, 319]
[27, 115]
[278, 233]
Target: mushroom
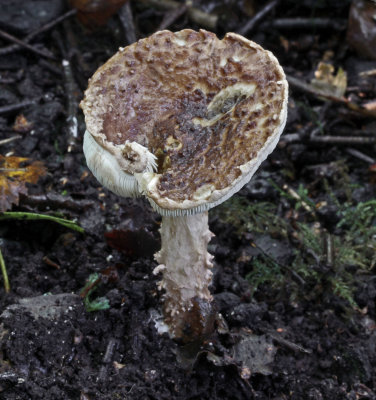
[184, 119]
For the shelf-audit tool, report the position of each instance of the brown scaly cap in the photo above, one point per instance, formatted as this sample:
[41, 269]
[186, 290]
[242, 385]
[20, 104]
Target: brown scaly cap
[209, 110]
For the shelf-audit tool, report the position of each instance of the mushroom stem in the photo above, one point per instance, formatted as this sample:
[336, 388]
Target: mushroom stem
[186, 266]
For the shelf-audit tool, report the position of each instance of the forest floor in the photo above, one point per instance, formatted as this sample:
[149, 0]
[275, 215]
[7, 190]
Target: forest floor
[294, 251]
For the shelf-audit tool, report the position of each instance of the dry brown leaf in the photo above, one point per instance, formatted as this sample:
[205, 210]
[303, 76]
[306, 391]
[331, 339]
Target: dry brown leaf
[15, 172]
[21, 124]
[327, 82]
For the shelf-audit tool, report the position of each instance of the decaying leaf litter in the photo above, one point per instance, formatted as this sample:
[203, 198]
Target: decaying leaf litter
[294, 250]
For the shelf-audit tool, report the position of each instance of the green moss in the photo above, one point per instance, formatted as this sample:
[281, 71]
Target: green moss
[265, 270]
[248, 216]
[329, 263]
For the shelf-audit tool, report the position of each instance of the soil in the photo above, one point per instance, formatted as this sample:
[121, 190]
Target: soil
[272, 341]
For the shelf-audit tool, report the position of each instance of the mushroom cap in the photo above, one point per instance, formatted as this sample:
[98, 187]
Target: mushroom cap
[184, 117]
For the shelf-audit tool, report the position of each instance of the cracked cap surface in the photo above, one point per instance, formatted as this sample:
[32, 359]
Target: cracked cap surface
[208, 110]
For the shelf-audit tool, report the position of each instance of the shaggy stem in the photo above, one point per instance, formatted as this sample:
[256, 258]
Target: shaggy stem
[186, 266]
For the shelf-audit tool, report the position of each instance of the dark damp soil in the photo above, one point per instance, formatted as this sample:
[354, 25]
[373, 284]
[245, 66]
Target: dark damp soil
[294, 280]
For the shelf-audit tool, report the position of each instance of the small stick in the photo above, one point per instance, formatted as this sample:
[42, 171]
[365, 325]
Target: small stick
[17, 106]
[171, 16]
[361, 156]
[305, 23]
[342, 139]
[4, 273]
[13, 39]
[51, 67]
[290, 138]
[202, 18]
[347, 131]
[110, 350]
[196, 15]
[160, 4]
[305, 87]
[329, 249]
[6, 81]
[54, 201]
[70, 51]
[32, 35]
[288, 344]
[250, 25]
[126, 19]
[296, 196]
[72, 123]
[49, 262]
[370, 72]
[293, 273]
[107, 358]
[11, 139]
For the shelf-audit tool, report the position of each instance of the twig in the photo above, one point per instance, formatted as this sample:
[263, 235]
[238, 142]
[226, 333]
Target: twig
[72, 124]
[307, 88]
[13, 39]
[4, 273]
[160, 4]
[297, 197]
[32, 35]
[11, 139]
[329, 249]
[51, 67]
[202, 18]
[350, 131]
[7, 81]
[196, 15]
[17, 106]
[332, 139]
[342, 139]
[107, 358]
[49, 262]
[370, 72]
[293, 273]
[361, 156]
[287, 343]
[54, 201]
[305, 23]
[71, 89]
[19, 215]
[70, 51]
[126, 19]
[290, 138]
[250, 25]
[171, 16]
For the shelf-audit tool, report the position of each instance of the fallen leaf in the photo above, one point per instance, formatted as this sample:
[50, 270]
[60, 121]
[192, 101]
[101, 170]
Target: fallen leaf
[21, 124]
[15, 172]
[325, 81]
